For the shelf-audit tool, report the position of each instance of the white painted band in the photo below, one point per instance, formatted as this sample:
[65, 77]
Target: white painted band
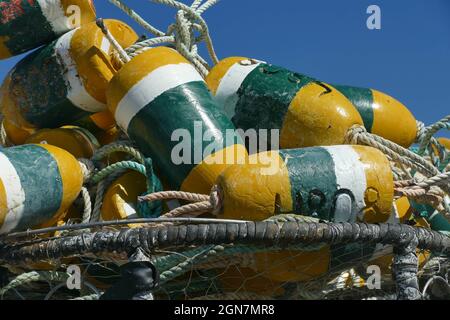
[226, 94]
[77, 93]
[53, 11]
[15, 195]
[350, 173]
[151, 86]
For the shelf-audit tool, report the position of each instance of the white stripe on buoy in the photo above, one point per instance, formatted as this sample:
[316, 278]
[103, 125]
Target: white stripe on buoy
[350, 173]
[15, 195]
[53, 11]
[106, 45]
[77, 93]
[151, 86]
[226, 93]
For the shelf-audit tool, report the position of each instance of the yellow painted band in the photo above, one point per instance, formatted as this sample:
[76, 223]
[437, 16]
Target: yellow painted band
[95, 66]
[379, 193]
[392, 120]
[255, 191]
[317, 118]
[72, 180]
[204, 175]
[135, 70]
[219, 70]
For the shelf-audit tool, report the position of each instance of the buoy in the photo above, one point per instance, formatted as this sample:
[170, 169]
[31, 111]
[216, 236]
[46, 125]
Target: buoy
[337, 183]
[445, 142]
[163, 104]
[102, 125]
[77, 141]
[307, 111]
[38, 183]
[15, 134]
[381, 113]
[120, 200]
[28, 24]
[65, 80]
[257, 95]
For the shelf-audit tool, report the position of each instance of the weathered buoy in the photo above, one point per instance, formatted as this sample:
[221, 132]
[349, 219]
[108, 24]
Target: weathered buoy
[28, 24]
[15, 134]
[65, 80]
[38, 183]
[77, 141]
[257, 95]
[307, 111]
[338, 183]
[121, 198]
[163, 104]
[381, 113]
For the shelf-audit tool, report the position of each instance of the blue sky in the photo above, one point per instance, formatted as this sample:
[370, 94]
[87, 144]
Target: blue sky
[409, 58]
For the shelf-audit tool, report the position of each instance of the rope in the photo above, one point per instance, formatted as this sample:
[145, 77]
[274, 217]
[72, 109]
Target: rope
[358, 135]
[200, 203]
[101, 189]
[426, 191]
[429, 131]
[137, 18]
[119, 146]
[33, 276]
[115, 167]
[188, 20]
[87, 168]
[123, 55]
[87, 211]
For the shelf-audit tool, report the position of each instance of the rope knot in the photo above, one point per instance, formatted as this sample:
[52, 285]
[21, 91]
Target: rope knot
[353, 134]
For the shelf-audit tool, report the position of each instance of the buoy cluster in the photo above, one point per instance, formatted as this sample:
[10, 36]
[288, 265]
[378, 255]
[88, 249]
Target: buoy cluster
[70, 98]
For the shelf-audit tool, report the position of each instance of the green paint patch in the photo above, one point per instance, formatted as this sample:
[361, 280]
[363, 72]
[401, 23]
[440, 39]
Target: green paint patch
[25, 26]
[41, 181]
[39, 90]
[362, 99]
[265, 96]
[313, 181]
[182, 108]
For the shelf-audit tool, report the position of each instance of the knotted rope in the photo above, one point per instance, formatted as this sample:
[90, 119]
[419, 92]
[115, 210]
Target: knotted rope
[181, 34]
[359, 135]
[428, 132]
